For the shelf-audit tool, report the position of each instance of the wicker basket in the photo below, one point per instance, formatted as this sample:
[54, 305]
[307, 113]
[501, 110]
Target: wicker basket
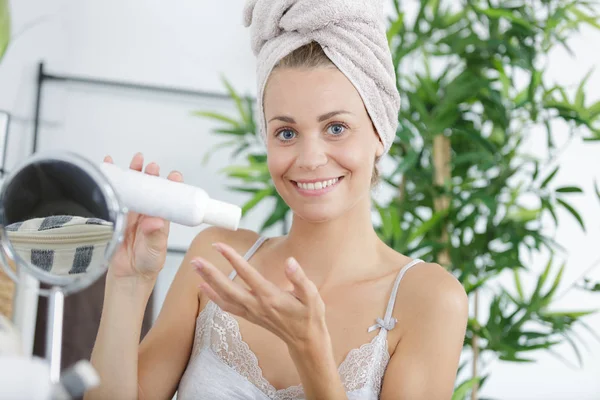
[7, 293]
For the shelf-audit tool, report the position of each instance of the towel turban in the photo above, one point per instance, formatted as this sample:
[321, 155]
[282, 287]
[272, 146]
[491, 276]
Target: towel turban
[352, 34]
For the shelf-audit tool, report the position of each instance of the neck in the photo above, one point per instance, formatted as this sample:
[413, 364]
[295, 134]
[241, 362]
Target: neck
[343, 248]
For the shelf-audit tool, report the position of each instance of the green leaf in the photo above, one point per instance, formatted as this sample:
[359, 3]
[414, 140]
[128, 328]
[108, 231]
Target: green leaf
[428, 225]
[523, 214]
[536, 79]
[575, 349]
[219, 146]
[217, 117]
[4, 27]
[547, 298]
[594, 110]
[233, 131]
[580, 95]
[540, 283]
[510, 357]
[518, 285]
[549, 177]
[390, 222]
[573, 212]
[476, 137]
[243, 189]
[596, 189]
[236, 98]
[395, 28]
[278, 215]
[464, 388]
[536, 170]
[397, 6]
[569, 189]
[503, 13]
[583, 17]
[258, 197]
[590, 330]
[569, 314]
[408, 162]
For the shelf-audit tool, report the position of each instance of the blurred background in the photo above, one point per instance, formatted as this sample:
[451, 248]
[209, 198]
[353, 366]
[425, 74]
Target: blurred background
[493, 173]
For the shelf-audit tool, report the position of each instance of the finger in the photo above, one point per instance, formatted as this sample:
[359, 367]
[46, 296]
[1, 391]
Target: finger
[304, 289]
[151, 225]
[175, 176]
[108, 159]
[152, 169]
[247, 272]
[215, 298]
[137, 162]
[221, 284]
[154, 224]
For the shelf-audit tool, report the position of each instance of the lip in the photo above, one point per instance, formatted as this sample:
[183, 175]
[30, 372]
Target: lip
[316, 192]
[314, 180]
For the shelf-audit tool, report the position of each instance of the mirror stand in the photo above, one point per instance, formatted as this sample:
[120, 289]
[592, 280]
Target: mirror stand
[56, 306]
[60, 223]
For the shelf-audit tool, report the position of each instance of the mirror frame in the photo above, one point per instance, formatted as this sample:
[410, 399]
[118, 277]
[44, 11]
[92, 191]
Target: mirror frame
[116, 211]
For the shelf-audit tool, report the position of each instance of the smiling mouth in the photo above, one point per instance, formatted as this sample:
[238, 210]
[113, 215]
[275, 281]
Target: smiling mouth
[319, 186]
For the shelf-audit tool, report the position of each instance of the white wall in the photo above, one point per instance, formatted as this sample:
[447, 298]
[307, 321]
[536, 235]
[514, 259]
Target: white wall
[189, 44]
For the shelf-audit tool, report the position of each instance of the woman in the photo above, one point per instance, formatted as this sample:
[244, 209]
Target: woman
[327, 311]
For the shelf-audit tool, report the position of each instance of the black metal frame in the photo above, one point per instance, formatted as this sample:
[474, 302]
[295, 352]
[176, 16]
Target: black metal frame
[43, 77]
[5, 144]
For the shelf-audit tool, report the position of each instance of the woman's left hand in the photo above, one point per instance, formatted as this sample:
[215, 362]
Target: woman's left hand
[296, 316]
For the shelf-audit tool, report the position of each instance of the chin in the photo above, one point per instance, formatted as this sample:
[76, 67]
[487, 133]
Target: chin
[316, 214]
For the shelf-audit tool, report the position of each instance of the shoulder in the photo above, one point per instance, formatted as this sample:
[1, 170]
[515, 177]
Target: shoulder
[432, 309]
[238, 239]
[434, 294]
[241, 240]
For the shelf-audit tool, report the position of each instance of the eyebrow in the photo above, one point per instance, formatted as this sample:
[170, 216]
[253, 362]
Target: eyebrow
[321, 118]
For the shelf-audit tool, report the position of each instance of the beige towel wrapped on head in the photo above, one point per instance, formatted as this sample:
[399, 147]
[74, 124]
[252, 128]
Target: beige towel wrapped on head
[353, 35]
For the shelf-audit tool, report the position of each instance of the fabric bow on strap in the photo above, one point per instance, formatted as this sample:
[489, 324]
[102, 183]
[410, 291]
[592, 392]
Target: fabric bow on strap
[388, 326]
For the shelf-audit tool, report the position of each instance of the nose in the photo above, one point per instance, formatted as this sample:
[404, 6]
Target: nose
[312, 153]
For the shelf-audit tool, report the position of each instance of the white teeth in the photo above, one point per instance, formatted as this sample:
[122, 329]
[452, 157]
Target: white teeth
[317, 185]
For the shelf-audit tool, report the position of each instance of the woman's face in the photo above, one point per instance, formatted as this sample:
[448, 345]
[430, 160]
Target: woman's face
[321, 143]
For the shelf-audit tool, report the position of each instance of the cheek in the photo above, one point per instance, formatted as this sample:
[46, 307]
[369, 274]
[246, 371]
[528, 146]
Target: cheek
[277, 162]
[355, 158]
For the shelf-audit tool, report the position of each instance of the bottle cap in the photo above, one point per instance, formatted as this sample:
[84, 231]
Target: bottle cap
[225, 215]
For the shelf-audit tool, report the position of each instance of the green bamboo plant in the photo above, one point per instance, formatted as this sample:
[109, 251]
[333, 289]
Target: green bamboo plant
[461, 172]
[4, 27]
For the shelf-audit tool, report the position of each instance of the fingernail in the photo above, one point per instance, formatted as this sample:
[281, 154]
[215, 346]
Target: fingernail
[218, 247]
[292, 264]
[197, 264]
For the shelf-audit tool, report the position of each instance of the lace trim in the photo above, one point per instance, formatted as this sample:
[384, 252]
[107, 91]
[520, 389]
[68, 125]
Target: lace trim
[362, 367]
[366, 365]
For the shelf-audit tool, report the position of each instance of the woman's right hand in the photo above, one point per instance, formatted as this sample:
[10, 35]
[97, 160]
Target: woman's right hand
[143, 251]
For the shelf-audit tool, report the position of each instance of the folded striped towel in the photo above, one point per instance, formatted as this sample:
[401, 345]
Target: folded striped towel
[62, 244]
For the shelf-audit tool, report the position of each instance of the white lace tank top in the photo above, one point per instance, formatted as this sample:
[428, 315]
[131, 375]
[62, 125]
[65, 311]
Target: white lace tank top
[223, 367]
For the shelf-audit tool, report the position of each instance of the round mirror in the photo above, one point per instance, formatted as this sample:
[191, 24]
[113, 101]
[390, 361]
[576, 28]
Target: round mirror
[60, 219]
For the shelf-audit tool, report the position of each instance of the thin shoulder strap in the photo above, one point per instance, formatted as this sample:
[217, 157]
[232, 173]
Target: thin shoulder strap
[250, 253]
[388, 323]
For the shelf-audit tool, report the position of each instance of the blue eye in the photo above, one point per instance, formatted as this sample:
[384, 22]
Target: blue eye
[336, 129]
[286, 134]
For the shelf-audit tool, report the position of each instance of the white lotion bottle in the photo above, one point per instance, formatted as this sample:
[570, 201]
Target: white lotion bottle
[174, 201]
